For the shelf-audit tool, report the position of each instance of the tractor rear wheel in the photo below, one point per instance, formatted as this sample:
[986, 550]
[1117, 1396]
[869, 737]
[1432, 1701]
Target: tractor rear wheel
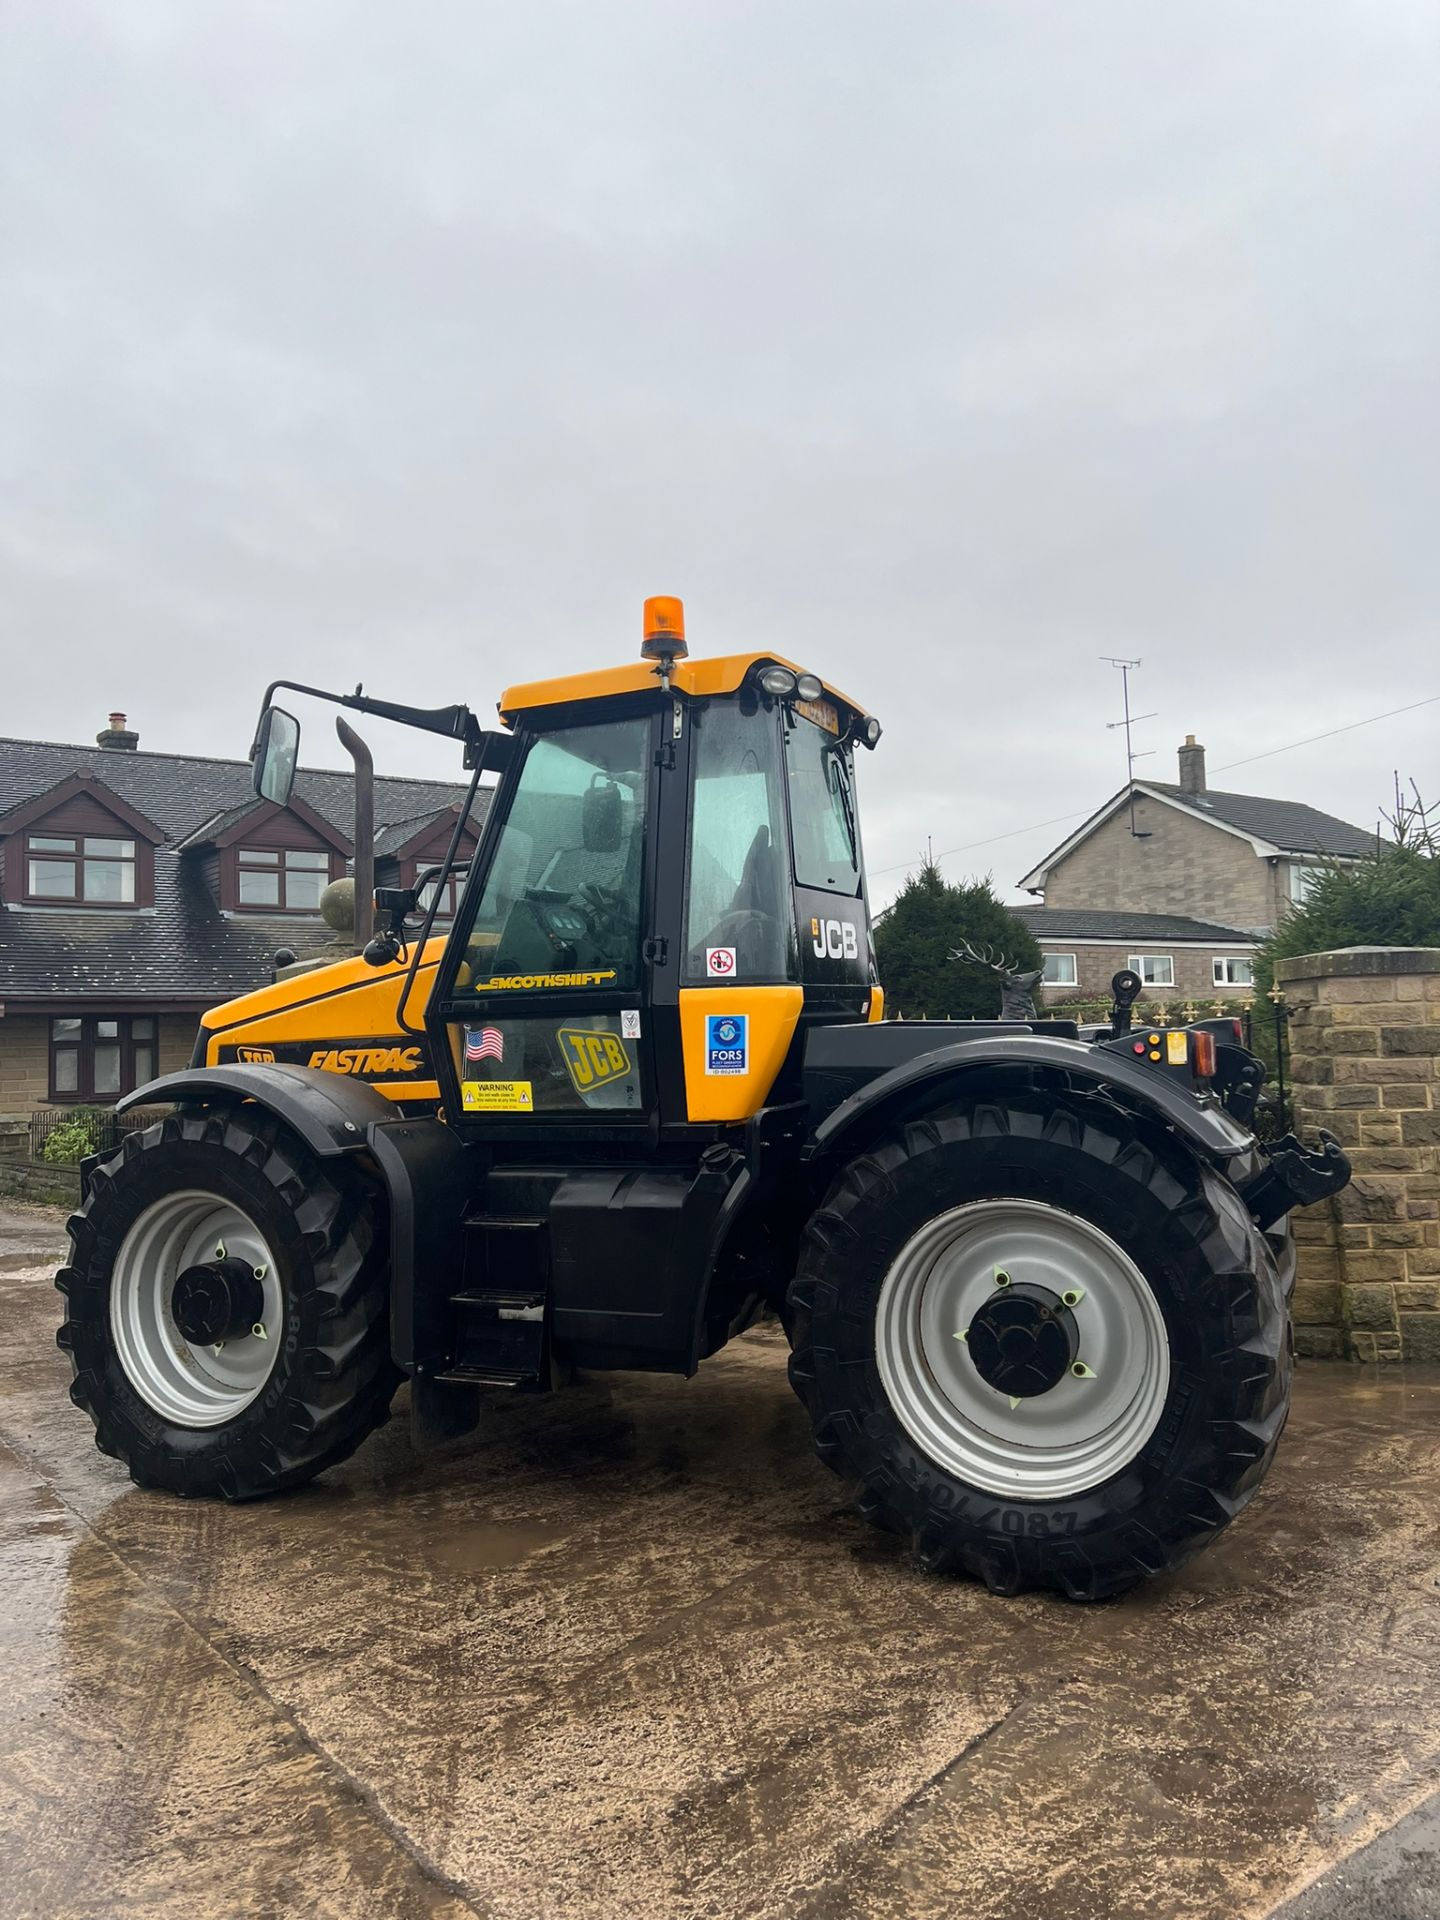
[1051, 1347]
[227, 1308]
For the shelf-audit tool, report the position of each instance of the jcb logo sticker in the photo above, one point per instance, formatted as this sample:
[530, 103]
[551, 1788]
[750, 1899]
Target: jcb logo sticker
[835, 939]
[372, 1063]
[256, 1056]
[592, 1058]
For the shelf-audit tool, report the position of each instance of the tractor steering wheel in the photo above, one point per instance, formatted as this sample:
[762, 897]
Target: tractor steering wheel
[607, 912]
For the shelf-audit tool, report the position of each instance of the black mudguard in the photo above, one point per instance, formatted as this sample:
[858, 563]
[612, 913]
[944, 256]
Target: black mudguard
[329, 1112]
[855, 1074]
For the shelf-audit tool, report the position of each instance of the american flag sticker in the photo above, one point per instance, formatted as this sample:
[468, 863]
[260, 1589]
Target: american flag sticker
[484, 1043]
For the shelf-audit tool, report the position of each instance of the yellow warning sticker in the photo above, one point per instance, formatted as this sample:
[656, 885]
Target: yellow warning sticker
[1177, 1049]
[496, 1096]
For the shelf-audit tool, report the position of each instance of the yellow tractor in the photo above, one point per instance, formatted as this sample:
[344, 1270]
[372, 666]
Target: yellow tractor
[641, 1091]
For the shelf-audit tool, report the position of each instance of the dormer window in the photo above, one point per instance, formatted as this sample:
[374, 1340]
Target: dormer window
[79, 845]
[281, 879]
[79, 868]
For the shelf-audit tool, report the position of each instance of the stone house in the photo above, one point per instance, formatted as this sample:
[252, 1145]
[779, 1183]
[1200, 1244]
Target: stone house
[137, 889]
[1181, 881]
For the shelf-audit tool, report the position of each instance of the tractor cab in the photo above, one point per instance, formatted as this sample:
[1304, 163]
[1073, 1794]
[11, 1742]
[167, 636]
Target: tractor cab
[670, 887]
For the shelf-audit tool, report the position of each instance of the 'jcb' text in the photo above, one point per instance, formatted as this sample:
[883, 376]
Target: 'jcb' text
[835, 939]
[369, 1061]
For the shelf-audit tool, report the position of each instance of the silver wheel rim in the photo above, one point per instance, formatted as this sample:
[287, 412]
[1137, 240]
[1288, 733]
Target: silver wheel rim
[192, 1386]
[1055, 1444]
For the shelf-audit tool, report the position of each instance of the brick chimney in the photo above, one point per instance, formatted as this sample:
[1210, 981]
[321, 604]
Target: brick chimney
[116, 737]
[1192, 766]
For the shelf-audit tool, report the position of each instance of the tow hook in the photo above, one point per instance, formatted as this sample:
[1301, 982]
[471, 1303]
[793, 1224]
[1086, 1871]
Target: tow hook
[1296, 1176]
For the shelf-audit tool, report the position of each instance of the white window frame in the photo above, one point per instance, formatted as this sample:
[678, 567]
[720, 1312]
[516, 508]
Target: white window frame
[1303, 875]
[1220, 973]
[1137, 963]
[1074, 979]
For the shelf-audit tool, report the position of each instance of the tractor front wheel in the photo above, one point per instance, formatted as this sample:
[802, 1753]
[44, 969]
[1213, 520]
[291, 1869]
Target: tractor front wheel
[226, 1308]
[1049, 1346]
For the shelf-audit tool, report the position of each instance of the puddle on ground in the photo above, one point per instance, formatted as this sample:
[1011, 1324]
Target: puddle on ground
[486, 1548]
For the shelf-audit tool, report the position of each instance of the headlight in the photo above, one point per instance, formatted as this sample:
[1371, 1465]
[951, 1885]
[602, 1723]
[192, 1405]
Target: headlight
[870, 732]
[779, 681]
[809, 686]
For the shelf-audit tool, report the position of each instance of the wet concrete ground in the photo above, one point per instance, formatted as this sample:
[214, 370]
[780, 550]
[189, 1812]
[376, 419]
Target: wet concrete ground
[625, 1656]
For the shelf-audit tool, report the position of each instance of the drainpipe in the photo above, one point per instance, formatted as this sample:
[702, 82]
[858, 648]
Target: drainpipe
[364, 832]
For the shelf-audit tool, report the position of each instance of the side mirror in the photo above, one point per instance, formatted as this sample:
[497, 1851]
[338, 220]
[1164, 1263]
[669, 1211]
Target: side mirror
[602, 817]
[277, 748]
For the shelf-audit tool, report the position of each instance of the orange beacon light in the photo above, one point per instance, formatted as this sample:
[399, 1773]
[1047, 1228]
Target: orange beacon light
[664, 629]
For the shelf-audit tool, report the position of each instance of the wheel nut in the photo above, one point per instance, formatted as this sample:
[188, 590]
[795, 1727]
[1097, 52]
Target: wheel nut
[259, 1330]
[260, 1272]
[1002, 1278]
[1082, 1372]
[1072, 1298]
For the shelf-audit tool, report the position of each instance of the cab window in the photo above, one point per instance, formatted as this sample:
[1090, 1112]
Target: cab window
[822, 809]
[564, 890]
[738, 914]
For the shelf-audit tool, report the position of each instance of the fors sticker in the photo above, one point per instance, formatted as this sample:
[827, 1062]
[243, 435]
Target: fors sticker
[727, 1043]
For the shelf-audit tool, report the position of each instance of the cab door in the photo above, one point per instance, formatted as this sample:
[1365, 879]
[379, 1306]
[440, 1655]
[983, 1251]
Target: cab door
[543, 998]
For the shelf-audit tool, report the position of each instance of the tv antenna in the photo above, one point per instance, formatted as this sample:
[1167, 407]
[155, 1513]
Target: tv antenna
[1130, 720]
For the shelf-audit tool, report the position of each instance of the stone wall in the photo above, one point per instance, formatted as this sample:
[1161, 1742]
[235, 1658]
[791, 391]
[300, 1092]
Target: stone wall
[1365, 1043]
[24, 1064]
[39, 1184]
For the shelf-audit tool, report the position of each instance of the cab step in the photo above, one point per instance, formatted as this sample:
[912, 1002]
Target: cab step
[499, 1338]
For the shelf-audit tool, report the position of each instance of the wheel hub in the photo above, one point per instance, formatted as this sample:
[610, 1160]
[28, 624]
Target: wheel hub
[220, 1299]
[980, 1393]
[1023, 1341]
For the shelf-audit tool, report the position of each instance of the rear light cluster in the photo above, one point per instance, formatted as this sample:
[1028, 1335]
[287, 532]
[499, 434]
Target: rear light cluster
[1179, 1048]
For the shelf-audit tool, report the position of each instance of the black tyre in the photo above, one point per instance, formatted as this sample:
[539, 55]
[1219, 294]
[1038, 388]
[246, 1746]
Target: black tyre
[227, 1308]
[1051, 1348]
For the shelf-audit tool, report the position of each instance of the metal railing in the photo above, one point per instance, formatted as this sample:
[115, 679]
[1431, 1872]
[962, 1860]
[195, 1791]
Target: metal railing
[88, 1129]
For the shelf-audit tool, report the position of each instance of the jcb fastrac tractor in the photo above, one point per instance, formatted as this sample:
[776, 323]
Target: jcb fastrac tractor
[1035, 1287]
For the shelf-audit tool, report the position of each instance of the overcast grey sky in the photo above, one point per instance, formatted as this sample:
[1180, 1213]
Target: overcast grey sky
[943, 347]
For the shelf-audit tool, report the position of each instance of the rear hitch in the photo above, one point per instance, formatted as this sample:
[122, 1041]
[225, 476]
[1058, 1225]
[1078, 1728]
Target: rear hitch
[1296, 1176]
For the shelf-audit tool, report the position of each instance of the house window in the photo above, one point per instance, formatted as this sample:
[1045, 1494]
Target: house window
[1059, 970]
[1154, 969]
[1302, 879]
[80, 868]
[449, 893]
[93, 1057]
[282, 879]
[1232, 970]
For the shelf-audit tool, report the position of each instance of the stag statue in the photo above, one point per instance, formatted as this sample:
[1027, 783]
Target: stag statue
[1017, 990]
